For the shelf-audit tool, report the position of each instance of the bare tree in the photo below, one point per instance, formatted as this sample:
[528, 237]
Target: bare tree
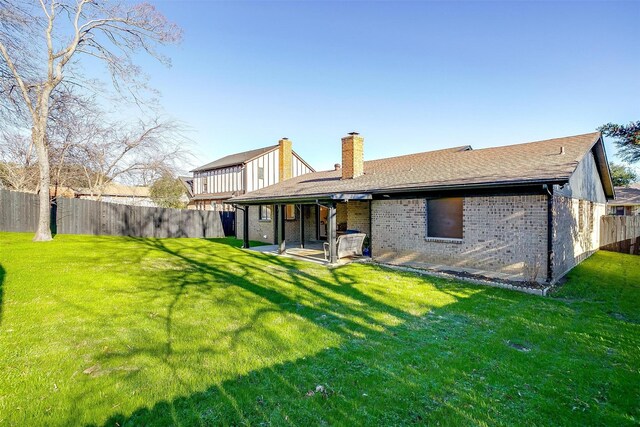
[136, 153]
[112, 32]
[18, 166]
[88, 149]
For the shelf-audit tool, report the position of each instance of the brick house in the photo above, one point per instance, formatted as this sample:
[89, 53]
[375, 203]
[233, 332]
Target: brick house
[113, 192]
[527, 211]
[627, 201]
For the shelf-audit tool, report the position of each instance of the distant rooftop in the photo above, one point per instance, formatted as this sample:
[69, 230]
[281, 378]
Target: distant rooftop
[627, 195]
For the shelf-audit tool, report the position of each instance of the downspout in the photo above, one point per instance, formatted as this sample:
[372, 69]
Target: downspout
[549, 232]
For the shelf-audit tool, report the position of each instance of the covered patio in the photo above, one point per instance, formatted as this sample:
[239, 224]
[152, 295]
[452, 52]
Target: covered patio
[312, 252]
[301, 227]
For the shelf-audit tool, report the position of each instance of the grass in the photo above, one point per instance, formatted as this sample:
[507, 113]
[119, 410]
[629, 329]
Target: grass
[121, 331]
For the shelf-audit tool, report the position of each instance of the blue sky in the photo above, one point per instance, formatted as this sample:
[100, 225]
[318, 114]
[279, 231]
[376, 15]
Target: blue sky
[409, 76]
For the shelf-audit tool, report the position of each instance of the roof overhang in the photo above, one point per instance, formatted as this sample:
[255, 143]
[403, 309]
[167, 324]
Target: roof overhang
[512, 187]
[604, 171]
[306, 199]
[223, 166]
[219, 196]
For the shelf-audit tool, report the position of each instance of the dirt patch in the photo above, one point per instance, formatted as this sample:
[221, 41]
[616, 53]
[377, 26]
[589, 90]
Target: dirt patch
[523, 347]
[98, 371]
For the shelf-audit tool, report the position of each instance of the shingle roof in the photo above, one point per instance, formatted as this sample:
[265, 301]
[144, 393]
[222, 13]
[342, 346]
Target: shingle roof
[235, 159]
[187, 181]
[539, 161]
[214, 196]
[627, 195]
[119, 190]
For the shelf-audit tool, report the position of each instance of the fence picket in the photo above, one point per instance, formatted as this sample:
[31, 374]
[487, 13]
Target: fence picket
[620, 233]
[19, 212]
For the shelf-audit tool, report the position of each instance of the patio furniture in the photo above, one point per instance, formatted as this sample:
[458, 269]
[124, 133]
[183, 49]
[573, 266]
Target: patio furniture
[347, 245]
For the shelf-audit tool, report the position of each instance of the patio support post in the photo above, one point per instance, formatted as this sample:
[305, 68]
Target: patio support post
[276, 230]
[333, 238]
[281, 237]
[301, 207]
[317, 212]
[245, 228]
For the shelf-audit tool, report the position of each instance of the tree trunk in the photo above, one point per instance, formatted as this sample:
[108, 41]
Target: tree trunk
[38, 135]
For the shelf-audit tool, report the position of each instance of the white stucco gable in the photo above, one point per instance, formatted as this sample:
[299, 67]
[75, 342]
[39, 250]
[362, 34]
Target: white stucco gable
[585, 182]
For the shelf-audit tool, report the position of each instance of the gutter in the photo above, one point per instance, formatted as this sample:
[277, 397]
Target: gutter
[310, 198]
[499, 184]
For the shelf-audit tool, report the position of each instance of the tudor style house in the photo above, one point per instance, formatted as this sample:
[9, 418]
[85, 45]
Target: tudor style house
[244, 172]
[527, 212]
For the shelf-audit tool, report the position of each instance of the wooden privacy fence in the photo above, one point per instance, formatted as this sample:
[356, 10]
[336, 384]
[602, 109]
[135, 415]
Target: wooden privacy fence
[620, 234]
[19, 212]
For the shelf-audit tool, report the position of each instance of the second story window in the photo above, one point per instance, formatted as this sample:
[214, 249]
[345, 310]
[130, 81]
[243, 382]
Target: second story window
[260, 172]
[205, 186]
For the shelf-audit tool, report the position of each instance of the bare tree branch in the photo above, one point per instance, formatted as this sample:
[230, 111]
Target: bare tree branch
[31, 77]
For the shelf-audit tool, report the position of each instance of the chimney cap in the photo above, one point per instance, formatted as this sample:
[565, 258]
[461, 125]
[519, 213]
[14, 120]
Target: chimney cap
[337, 166]
[354, 133]
[284, 137]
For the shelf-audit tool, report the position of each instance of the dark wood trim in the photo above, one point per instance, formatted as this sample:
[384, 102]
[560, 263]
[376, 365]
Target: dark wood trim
[293, 153]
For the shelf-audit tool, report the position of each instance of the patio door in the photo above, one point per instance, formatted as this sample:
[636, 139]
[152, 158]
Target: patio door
[324, 220]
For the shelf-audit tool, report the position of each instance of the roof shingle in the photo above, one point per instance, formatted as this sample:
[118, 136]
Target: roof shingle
[460, 166]
[627, 195]
[235, 159]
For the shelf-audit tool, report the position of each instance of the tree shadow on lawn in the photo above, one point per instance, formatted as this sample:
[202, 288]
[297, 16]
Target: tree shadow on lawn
[263, 276]
[392, 362]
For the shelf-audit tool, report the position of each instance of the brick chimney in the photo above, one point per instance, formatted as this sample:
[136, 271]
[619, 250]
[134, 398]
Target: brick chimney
[352, 155]
[285, 157]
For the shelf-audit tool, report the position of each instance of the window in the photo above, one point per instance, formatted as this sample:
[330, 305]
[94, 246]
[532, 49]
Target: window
[619, 210]
[260, 172]
[444, 218]
[265, 213]
[590, 219]
[205, 185]
[290, 212]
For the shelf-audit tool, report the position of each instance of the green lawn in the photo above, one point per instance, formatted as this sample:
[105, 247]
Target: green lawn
[120, 331]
